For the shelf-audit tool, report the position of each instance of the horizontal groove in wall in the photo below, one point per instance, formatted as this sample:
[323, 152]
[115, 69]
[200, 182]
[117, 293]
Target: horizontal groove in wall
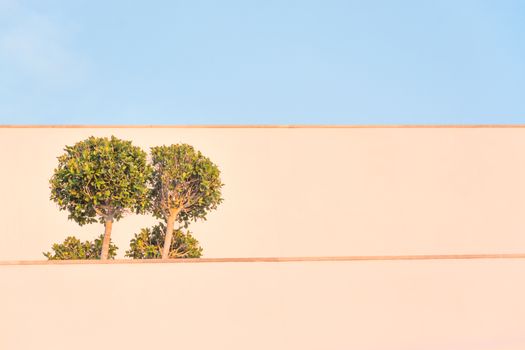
[267, 259]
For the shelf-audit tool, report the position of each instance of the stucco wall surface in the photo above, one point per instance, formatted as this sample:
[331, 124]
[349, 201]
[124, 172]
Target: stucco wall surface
[289, 192]
[369, 305]
[302, 192]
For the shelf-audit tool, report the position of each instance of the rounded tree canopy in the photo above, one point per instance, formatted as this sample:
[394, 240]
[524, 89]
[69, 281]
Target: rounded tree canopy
[101, 177]
[184, 180]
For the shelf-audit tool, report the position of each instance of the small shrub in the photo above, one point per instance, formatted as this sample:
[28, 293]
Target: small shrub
[73, 249]
[148, 243]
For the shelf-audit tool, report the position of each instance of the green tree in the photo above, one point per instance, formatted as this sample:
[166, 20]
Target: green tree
[101, 179]
[185, 186]
[147, 244]
[73, 249]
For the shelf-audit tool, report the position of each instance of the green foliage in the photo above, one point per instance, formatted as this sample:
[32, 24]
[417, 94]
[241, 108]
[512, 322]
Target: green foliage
[73, 248]
[101, 177]
[186, 180]
[147, 244]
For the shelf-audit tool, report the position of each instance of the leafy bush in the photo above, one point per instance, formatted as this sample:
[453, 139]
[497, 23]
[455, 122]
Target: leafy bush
[72, 248]
[148, 243]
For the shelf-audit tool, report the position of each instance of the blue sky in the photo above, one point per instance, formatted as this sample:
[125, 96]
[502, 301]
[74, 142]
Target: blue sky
[262, 62]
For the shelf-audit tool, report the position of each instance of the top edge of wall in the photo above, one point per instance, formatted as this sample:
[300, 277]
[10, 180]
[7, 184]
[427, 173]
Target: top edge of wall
[296, 126]
[270, 259]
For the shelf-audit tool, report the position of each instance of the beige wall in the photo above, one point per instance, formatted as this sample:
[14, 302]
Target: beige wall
[378, 305]
[302, 192]
[289, 192]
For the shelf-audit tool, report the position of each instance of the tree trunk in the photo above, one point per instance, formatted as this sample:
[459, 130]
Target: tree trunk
[107, 238]
[169, 234]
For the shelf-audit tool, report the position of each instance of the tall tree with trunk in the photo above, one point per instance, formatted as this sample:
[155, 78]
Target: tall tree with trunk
[101, 179]
[186, 185]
